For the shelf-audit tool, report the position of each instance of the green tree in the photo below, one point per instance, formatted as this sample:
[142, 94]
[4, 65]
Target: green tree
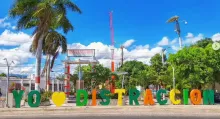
[134, 76]
[100, 75]
[42, 15]
[3, 75]
[158, 71]
[196, 66]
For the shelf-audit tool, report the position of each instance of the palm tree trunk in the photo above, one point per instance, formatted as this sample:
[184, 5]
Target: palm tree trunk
[38, 63]
[48, 73]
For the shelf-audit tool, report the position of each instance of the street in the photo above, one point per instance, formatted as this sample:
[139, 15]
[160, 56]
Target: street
[124, 112]
[109, 116]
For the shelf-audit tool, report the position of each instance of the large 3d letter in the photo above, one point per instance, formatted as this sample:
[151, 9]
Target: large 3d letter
[173, 92]
[185, 96]
[148, 100]
[94, 98]
[31, 98]
[78, 97]
[208, 97]
[17, 96]
[195, 96]
[133, 96]
[120, 92]
[59, 98]
[103, 95]
[158, 96]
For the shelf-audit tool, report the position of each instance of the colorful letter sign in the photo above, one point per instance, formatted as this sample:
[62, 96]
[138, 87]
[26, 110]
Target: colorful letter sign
[18, 96]
[148, 100]
[158, 96]
[59, 98]
[34, 94]
[120, 92]
[80, 93]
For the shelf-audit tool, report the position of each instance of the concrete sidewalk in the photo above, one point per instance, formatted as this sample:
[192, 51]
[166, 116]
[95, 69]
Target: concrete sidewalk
[159, 107]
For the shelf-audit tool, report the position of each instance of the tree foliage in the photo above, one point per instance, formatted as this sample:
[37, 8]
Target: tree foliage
[3, 75]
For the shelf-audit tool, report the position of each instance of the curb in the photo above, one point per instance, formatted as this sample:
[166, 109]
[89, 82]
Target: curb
[75, 108]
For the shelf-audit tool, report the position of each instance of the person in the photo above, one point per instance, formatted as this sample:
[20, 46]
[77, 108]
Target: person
[0, 93]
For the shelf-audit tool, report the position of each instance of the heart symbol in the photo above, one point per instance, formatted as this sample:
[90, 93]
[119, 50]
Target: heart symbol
[59, 98]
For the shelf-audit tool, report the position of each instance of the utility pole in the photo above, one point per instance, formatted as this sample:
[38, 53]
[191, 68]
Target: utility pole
[122, 55]
[8, 65]
[162, 55]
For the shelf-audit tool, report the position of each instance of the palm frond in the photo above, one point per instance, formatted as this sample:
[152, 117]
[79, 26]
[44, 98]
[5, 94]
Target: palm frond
[65, 24]
[21, 7]
[69, 4]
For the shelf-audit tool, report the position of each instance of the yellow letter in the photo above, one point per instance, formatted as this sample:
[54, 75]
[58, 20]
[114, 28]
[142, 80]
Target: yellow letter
[59, 98]
[119, 91]
[173, 92]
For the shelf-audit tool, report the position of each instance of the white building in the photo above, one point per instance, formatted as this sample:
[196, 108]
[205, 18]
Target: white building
[29, 84]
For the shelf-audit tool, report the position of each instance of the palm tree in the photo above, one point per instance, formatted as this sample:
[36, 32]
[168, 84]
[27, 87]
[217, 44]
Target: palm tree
[52, 43]
[42, 15]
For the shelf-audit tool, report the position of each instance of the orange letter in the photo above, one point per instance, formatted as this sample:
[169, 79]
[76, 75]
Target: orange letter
[148, 98]
[94, 97]
[195, 97]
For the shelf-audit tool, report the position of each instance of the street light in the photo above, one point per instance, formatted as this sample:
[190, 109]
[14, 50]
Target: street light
[123, 74]
[174, 80]
[8, 65]
[162, 54]
[177, 26]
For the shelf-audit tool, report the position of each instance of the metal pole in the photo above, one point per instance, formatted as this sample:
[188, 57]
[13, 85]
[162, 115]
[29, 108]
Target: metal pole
[173, 77]
[180, 41]
[123, 81]
[53, 85]
[79, 75]
[7, 86]
[30, 85]
[58, 87]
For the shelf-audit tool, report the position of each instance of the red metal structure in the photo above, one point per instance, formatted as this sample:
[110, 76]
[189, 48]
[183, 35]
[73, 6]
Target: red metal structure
[112, 88]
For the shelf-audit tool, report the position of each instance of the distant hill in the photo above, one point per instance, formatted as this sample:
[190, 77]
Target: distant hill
[18, 75]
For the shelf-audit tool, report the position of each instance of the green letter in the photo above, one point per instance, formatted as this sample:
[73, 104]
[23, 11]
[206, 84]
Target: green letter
[133, 96]
[17, 96]
[31, 99]
[78, 97]
[103, 95]
[185, 96]
[158, 95]
[208, 97]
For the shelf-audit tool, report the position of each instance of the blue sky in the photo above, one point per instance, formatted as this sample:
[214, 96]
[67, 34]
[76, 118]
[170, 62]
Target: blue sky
[142, 21]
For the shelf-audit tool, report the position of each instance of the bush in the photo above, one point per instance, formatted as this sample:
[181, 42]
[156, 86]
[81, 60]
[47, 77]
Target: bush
[112, 96]
[46, 96]
[72, 93]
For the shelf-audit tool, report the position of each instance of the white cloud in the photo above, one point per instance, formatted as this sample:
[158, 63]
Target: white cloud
[19, 54]
[128, 43]
[9, 38]
[14, 27]
[164, 41]
[216, 37]
[173, 41]
[175, 48]
[189, 35]
[103, 53]
[191, 39]
[4, 24]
